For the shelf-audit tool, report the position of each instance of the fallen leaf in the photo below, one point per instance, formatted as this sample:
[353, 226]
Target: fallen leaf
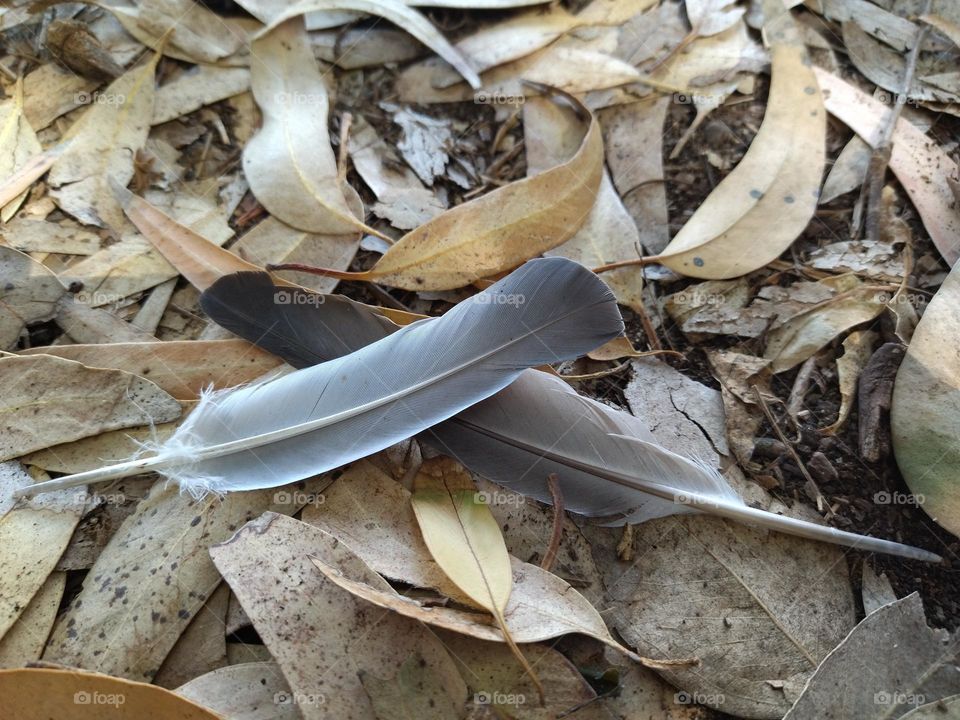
[40, 693]
[310, 624]
[205, 85]
[297, 183]
[709, 17]
[249, 691]
[900, 663]
[49, 400]
[869, 258]
[23, 643]
[773, 191]
[28, 294]
[848, 171]
[498, 231]
[608, 234]
[804, 334]
[425, 141]
[18, 144]
[857, 349]
[39, 236]
[926, 403]
[154, 576]
[877, 590]
[401, 15]
[201, 648]
[916, 160]
[103, 143]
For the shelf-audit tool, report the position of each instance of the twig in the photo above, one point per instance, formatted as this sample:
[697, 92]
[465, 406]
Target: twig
[550, 556]
[346, 120]
[877, 169]
[821, 501]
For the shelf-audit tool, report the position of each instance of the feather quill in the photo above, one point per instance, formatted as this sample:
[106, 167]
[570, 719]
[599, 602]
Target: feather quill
[608, 464]
[324, 416]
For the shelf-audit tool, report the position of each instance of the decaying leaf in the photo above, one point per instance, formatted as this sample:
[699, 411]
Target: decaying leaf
[857, 350]
[202, 647]
[498, 231]
[28, 293]
[23, 643]
[249, 691]
[296, 181]
[926, 404]
[899, 663]
[916, 160]
[18, 144]
[206, 84]
[848, 171]
[772, 194]
[154, 576]
[310, 624]
[35, 693]
[103, 144]
[49, 400]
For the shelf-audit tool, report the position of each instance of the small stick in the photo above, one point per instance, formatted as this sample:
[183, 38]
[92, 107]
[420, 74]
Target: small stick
[821, 501]
[550, 556]
[877, 169]
[346, 120]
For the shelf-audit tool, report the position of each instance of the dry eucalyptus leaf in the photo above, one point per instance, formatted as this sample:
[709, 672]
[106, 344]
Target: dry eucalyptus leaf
[36, 236]
[153, 577]
[870, 258]
[18, 144]
[848, 170]
[804, 334]
[202, 647]
[48, 400]
[40, 693]
[708, 17]
[23, 643]
[296, 181]
[204, 85]
[28, 293]
[310, 624]
[609, 233]
[103, 144]
[926, 405]
[182, 368]
[249, 691]
[499, 230]
[773, 191]
[877, 590]
[917, 161]
[857, 349]
[899, 663]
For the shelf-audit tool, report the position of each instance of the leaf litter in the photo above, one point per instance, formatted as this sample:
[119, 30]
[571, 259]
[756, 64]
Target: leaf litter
[719, 164]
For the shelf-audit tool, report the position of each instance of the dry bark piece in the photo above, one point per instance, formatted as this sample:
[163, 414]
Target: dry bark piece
[75, 46]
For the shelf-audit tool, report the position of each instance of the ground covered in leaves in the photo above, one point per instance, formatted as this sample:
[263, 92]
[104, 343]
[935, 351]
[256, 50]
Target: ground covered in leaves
[770, 190]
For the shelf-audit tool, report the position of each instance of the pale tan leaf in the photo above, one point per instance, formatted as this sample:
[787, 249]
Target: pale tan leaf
[202, 647]
[48, 400]
[153, 577]
[926, 405]
[901, 662]
[499, 230]
[28, 293]
[709, 17]
[249, 691]
[401, 15]
[857, 349]
[103, 144]
[23, 643]
[36, 236]
[18, 144]
[206, 84]
[182, 368]
[310, 625]
[848, 171]
[609, 233]
[919, 163]
[761, 207]
[804, 334]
